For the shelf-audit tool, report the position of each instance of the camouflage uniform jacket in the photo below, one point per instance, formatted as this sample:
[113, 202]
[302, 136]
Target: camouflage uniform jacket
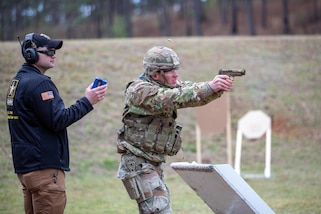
[146, 97]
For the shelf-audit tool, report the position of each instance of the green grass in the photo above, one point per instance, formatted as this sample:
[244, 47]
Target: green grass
[283, 79]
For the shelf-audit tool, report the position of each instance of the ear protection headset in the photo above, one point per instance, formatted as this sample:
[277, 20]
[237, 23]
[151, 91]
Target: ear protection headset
[29, 49]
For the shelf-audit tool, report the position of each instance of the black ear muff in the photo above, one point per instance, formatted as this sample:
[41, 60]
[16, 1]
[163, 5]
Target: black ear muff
[29, 50]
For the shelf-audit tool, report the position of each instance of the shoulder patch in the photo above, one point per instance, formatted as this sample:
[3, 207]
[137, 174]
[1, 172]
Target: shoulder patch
[47, 95]
[11, 92]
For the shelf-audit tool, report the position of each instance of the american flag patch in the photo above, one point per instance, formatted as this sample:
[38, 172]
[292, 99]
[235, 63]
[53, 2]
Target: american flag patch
[47, 95]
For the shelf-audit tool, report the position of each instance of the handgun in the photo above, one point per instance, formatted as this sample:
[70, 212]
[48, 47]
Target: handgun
[232, 72]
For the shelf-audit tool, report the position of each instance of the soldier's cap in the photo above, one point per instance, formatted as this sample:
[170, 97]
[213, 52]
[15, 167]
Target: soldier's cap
[42, 40]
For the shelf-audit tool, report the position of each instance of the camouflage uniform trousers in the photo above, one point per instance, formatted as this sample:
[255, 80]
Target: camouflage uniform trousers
[152, 194]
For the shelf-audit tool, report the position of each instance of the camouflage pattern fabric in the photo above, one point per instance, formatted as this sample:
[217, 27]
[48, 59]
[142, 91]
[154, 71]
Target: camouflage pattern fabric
[151, 178]
[146, 97]
[160, 58]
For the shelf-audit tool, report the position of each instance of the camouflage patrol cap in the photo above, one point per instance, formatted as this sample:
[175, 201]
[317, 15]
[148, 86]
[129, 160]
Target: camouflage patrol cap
[160, 58]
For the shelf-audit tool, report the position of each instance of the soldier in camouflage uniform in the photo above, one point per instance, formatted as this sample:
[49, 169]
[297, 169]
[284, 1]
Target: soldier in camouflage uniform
[150, 131]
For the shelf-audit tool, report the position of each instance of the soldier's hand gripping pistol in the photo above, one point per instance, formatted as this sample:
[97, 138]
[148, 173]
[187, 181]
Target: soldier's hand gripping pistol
[232, 72]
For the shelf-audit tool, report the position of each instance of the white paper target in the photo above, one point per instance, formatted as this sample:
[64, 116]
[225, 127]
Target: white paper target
[254, 124]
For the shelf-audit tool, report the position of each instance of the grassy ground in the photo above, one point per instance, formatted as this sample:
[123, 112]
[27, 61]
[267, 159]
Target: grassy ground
[282, 79]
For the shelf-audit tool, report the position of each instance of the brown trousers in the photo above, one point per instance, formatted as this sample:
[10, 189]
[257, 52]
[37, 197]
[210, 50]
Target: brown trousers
[44, 191]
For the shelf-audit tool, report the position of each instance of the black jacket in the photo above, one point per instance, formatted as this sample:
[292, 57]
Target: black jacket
[38, 121]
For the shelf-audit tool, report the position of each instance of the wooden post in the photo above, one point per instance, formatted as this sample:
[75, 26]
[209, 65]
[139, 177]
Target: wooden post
[198, 144]
[228, 131]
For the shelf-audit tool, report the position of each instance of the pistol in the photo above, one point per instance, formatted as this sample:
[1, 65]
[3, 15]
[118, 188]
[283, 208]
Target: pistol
[232, 72]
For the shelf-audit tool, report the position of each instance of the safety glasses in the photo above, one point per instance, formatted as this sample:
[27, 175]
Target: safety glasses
[48, 52]
[169, 70]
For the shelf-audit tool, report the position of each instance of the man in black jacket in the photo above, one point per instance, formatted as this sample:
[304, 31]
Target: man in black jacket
[38, 121]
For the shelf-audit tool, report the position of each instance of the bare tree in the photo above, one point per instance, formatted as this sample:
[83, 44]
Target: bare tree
[127, 15]
[249, 12]
[110, 17]
[223, 5]
[52, 8]
[263, 13]
[4, 10]
[285, 14]
[234, 27]
[197, 17]
[163, 17]
[71, 13]
[187, 15]
[316, 16]
[98, 17]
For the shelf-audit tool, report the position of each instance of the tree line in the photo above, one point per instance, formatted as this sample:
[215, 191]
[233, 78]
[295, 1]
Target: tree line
[115, 18]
